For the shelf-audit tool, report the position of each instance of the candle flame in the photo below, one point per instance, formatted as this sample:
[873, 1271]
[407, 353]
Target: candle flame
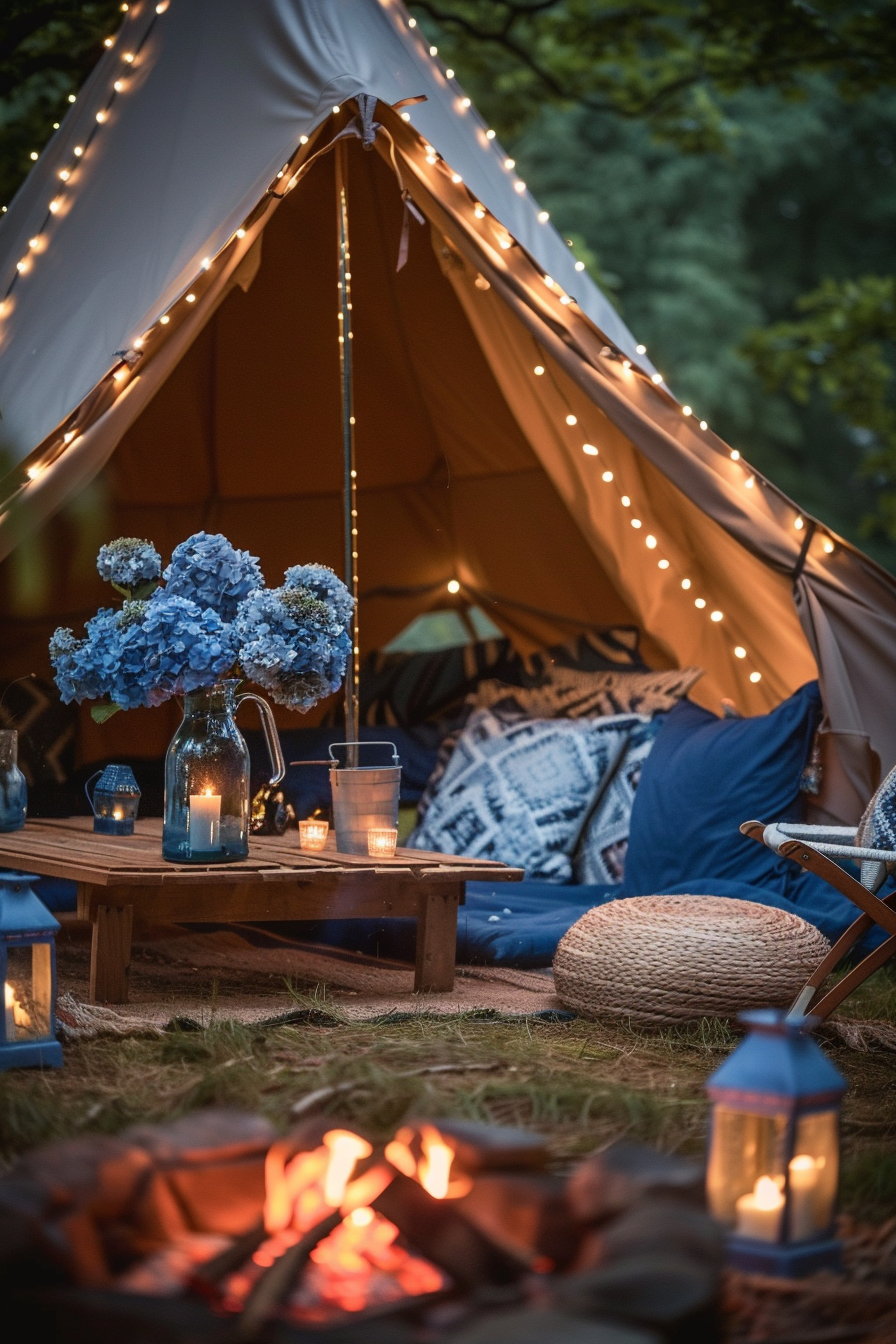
[766, 1194]
[21, 1016]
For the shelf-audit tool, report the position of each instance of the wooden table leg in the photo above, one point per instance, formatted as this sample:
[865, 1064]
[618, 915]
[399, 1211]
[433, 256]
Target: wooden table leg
[437, 938]
[110, 953]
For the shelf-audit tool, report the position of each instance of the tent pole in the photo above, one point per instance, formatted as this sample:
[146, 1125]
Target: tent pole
[350, 476]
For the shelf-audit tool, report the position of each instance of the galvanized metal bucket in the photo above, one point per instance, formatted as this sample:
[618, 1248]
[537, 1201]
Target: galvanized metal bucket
[364, 796]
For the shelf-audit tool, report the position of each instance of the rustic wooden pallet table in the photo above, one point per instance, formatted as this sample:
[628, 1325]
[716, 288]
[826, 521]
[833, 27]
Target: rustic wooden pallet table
[123, 878]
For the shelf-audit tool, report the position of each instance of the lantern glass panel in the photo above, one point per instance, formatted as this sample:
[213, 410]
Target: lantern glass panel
[28, 992]
[745, 1148]
[813, 1175]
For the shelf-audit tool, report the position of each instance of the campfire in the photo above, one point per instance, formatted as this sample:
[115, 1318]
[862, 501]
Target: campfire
[211, 1226]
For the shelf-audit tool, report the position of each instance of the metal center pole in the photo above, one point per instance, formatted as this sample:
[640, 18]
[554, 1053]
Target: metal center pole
[350, 475]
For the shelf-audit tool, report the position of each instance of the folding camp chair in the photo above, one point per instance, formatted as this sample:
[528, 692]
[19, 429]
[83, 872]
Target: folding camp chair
[815, 848]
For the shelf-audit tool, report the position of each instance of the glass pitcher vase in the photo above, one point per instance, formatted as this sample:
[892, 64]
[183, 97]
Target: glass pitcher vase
[13, 789]
[207, 778]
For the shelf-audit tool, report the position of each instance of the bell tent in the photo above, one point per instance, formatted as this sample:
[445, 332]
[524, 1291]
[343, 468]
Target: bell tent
[169, 361]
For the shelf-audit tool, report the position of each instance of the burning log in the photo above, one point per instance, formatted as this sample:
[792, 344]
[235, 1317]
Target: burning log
[206, 1230]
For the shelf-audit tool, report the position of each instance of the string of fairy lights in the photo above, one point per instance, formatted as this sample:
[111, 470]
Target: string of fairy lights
[121, 374]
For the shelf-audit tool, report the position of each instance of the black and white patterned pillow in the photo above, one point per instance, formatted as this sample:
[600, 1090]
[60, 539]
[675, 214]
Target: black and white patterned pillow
[521, 792]
[600, 855]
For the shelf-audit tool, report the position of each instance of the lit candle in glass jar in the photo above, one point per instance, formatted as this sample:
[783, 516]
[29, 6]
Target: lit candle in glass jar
[205, 821]
[381, 841]
[313, 833]
[759, 1212]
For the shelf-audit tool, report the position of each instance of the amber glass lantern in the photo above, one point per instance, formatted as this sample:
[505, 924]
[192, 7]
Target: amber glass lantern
[28, 973]
[774, 1148]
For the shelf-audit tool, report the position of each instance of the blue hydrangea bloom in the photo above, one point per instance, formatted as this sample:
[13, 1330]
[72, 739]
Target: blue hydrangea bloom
[129, 562]
[294, 643]
[321, 582]
[143, 654]
[211, 572]
[86, 669]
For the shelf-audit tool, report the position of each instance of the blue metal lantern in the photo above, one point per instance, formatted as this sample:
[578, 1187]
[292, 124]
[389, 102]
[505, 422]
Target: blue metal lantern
[115, 800]
[774, 1148]
[28, 973]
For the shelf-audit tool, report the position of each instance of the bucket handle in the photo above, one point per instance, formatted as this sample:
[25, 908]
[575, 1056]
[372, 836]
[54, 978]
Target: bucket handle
[94, 776]
[396, 760]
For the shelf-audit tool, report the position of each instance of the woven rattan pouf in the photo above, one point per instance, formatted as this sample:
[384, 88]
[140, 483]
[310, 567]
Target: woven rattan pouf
[665, 959]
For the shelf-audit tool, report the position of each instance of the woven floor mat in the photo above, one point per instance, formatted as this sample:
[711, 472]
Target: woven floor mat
[198, 978]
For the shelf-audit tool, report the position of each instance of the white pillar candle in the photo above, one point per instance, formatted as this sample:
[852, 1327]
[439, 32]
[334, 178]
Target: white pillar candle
[205, 821]
[759, 1212]
[803, 1181]
[10, 1013]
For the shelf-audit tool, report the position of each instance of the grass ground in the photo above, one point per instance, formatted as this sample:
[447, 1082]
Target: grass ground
[583, 1084]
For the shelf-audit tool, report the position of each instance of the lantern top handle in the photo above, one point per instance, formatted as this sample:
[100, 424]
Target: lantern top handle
[776, 1022]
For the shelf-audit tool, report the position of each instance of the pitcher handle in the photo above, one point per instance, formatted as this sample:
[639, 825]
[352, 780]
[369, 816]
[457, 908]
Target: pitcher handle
[271, 736]
[95, 774]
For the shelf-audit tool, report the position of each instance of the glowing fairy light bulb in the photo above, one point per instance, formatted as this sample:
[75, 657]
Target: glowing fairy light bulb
[433, 51]
[129, 57]
[206, 263]
[78, 151]
[453, 586]
[735, 455]
[65, 174]
[700, 603]
[626, 364]
[740, 651]
[191, 298]
[489, 135]
[828, 546]
[685, 583]
[656, 378]
[336, 109]
[405, 116]
[650, 542]
[34, 472]
[72, 98]
[241, 233]
[412, 23]
[704, 425]
[625, 501]
[750, 482]
[641, 349]
[479, 212]
[101, 117]
[543, 216]
[580, 265]
[164, 319]
[662, 564]
[456, 178]
[33, 156]
[118, 85]
[607, 476]
[636, 523]
[449, 73]
[589, 449]
[716, 616]
[755, 676]
[686, 410]
[107, 42]
[538, 370]
[798, 524]
[571, 419]
[519, 186]
[509, 164]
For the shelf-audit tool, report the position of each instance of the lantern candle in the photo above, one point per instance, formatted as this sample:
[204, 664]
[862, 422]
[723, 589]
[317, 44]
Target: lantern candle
[381, 841]
[313, 833]
[803, 1180]
[759, 1212]
[205, 821]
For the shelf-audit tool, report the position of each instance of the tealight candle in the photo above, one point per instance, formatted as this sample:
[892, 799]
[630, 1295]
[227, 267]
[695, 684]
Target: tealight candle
[759, 1212]
[381, 841]
[313, 833]
[205, 821]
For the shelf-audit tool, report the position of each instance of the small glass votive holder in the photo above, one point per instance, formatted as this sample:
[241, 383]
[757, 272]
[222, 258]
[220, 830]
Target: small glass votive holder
[313, 833]
[381, 841]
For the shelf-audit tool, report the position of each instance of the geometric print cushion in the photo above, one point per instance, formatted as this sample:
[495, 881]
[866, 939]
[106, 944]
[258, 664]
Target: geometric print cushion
[600, 857]
[520, 792]
[572, 694]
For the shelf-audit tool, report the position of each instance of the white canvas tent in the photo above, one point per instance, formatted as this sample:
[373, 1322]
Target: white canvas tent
[168, 361]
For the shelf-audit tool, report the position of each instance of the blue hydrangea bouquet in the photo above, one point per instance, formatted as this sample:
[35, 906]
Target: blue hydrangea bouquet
[213, 618]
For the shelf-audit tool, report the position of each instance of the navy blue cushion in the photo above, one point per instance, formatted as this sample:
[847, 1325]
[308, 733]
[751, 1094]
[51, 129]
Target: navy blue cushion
[703, 778]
